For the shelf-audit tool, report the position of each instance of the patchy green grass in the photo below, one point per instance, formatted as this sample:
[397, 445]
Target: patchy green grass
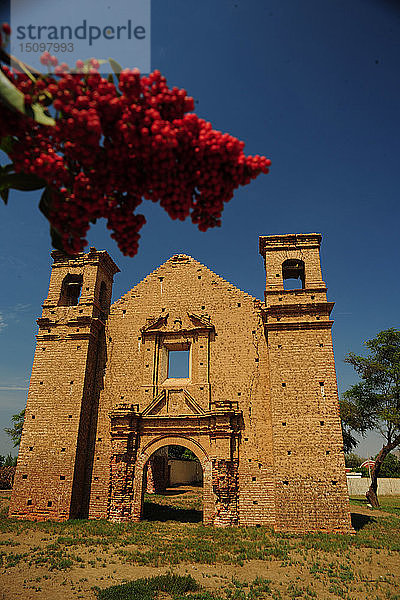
[179, 587]
[334, 565]
[388, 503]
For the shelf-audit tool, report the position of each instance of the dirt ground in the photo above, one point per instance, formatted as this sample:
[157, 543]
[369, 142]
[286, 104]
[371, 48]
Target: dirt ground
[310, 570]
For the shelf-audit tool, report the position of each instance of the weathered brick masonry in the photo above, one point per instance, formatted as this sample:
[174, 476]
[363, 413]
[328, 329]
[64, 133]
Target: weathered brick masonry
[259, 407]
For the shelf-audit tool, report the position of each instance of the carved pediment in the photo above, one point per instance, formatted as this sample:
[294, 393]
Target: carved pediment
[173, 402]
[186, 323]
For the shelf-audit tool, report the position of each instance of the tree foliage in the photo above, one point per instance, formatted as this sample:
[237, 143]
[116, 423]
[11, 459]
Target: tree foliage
[15, 432]
[98, 147]
[374, 402]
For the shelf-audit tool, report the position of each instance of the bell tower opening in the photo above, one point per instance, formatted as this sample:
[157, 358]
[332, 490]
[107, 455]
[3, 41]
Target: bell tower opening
[71, 290]
[293, 274]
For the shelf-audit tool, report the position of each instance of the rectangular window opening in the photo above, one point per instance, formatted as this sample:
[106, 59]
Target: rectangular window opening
[178, 364]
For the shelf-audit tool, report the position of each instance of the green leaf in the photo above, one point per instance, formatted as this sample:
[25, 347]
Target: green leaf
[45, 202]
[20, 181]
[14, 99]
[116, 67]
[56, 240]
[4, 195]
[6, 144]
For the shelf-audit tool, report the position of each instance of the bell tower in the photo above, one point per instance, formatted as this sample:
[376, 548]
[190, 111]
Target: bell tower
[309, 471]
[56, 453]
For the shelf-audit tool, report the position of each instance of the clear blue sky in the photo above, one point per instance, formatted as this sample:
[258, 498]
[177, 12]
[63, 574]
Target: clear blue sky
[312, 85]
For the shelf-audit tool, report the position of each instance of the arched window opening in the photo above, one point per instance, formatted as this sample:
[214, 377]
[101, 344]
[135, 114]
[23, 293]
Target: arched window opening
[173, 485]
[71, 290]
[293, 274]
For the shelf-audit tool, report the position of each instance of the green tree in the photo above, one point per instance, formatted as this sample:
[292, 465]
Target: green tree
[374, 402]
[15, 432]
[352, 460]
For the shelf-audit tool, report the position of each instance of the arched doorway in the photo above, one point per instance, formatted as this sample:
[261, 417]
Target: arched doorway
[173, 486]
[174, 513]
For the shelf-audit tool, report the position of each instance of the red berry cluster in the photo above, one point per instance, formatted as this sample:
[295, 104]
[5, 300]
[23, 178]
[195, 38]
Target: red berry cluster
[112, 146]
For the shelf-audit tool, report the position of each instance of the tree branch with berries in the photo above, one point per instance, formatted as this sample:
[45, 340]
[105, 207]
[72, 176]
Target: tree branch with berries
[98, 147]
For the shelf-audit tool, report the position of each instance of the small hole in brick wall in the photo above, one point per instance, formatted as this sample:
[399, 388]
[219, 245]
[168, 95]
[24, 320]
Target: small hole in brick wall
[71, 382]
[321, 345]
[139, 338]
[95, 478]
[258, 525]
[284, 423]
[146, 390]
[283, 384]
[81, 310]
[110, 339]
[249, 459]
[49, 503]
[202, 387]
[49, 330]
[256, 360]
[285, 482]
[29, 502]
[97, 457]
[69, 416]
[62, 477]
[327, 452]
[99, 439]
[259, 465]
[124, 312]
[278, 318]
[53, 312]
[289, 452]
[198, 276]
[30, 448]
[255, 502]
[41, 382]
[201, 346]
[203, 307]
[148, 349]
[147, 366]
[334, 482]
[160, 278]
[78, 347]
[24, 476]
[239, 304]
[33, 416]
[254, 478]
[163, 309]
[277, 275]
[77, 328]
[239, 393]
[246, 439]
[63, 449]
[253, 332]
[44, 348]
[201, 364]
[322, 422]
[97, 497]
[279, 345]
[87, 289]
[280, 299]
[317, 318]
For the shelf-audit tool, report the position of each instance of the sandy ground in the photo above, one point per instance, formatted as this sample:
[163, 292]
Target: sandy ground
[376, 571]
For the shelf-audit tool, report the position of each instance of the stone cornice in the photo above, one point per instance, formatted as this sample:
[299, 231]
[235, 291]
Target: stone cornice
[292, 241]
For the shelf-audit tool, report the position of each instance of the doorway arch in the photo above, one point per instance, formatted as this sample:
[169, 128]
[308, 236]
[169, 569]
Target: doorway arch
[148, 449]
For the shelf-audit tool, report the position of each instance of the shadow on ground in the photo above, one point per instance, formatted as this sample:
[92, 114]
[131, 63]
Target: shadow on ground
[157, 512]
[359, 521]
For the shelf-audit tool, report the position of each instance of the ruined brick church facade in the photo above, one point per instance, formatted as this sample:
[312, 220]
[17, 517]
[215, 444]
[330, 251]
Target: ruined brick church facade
[259, 407]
